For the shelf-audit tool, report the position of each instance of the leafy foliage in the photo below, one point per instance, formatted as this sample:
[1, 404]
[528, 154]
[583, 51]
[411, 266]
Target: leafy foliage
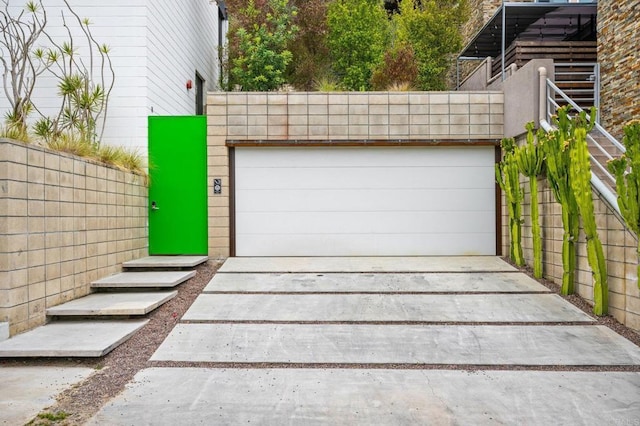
[258, 54]
[398, 68]
[432, 28]
[357, 39]
[309, 47]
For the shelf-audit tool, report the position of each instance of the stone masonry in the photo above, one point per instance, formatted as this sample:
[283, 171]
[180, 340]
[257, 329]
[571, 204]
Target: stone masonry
[619, 58]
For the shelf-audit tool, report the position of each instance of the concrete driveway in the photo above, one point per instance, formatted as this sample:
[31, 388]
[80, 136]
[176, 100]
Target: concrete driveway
[382, 341]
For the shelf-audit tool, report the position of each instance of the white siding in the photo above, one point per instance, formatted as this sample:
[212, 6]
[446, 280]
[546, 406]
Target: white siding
[182, 40]
[156, 46]
[365, 201]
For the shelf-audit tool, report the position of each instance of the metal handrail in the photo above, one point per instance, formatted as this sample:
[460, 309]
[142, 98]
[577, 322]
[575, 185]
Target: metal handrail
[548, 105]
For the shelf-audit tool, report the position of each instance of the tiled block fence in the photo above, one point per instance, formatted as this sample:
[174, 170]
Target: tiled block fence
[64, 222]
[619, 249]
[334, 119]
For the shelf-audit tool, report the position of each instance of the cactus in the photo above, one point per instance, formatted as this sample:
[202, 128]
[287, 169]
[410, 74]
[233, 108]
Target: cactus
[628, 184]
[530, 160]
[555, 148]
[580, 174]
[508, 178]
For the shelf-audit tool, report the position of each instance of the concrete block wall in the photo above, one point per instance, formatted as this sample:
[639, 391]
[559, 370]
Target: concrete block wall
[337, 118]
[619, 246]
[64, 222]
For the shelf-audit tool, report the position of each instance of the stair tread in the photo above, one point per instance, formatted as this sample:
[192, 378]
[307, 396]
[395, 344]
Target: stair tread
[144, 279]
[71, 339]
[166, 262]
[101, 304]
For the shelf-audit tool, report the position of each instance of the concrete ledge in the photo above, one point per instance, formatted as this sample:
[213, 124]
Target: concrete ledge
[144, 279]
[103, 304]
[166, 262]
[71, 339]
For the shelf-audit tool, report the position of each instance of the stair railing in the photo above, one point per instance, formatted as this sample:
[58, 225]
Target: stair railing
[550, 95]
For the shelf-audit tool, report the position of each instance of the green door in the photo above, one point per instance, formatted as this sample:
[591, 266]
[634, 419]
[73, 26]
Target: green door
[178, 185]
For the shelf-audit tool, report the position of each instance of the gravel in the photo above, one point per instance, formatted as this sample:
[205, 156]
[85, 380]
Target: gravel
[119, 367]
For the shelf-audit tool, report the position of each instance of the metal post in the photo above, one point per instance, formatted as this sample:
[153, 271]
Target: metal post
[504, 32]
[542, 93]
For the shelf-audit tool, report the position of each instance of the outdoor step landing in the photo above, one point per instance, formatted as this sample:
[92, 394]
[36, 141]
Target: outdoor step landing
[144, 279]
[71, 339]
[397, 344]
[166, 262]
[104, 304]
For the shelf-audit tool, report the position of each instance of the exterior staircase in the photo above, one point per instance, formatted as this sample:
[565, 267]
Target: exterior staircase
[94, 325]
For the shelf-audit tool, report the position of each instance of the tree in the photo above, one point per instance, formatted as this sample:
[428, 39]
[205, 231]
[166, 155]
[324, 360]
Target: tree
[358, 36]
[258, 54]
[432, 28]
[84, 84]
[20, 69]
[309, 48]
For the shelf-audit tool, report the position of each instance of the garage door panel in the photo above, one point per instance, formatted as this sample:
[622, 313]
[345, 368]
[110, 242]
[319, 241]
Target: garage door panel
[369, 201]
[364, 178]
[363, 222]
[299, 200]
[357, 244]
[368, 157]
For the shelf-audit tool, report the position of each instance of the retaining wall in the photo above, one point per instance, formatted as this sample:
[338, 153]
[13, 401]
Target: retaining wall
[64, 222]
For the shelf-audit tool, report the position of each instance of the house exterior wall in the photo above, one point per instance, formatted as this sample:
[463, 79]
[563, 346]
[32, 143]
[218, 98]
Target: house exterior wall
[619, 245]
[331, 119]
[155, 47]
[64, 222]
[618, 35]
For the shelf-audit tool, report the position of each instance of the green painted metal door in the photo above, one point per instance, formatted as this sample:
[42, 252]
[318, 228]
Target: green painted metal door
[178, 185]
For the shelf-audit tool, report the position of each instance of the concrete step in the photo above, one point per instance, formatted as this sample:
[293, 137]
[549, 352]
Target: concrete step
[144, 279]
[153, 262]
[105, 304]
[71, 339]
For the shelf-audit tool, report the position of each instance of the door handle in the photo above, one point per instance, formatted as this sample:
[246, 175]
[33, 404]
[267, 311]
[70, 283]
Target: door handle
[154, 206]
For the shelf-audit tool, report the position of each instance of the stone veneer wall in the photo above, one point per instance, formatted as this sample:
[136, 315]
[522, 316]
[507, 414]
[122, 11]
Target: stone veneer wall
[64, 222]
[333, 119]
[618, 243]
[619, 58]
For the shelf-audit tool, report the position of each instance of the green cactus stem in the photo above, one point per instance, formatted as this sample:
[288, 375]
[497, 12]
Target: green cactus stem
[530, 160]
[555, 148]
[580, 174]
[508, 178]
[628, 184]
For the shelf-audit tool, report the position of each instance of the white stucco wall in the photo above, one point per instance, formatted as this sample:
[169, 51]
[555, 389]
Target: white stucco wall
[156, 46]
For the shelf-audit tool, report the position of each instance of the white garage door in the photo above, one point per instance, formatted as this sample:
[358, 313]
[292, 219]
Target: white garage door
[365, 201]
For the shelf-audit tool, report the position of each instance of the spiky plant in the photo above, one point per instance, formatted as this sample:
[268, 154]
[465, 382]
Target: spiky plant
[580, 174]
[530, 160]
[508, 178]
[626, 169]
[555, 146]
